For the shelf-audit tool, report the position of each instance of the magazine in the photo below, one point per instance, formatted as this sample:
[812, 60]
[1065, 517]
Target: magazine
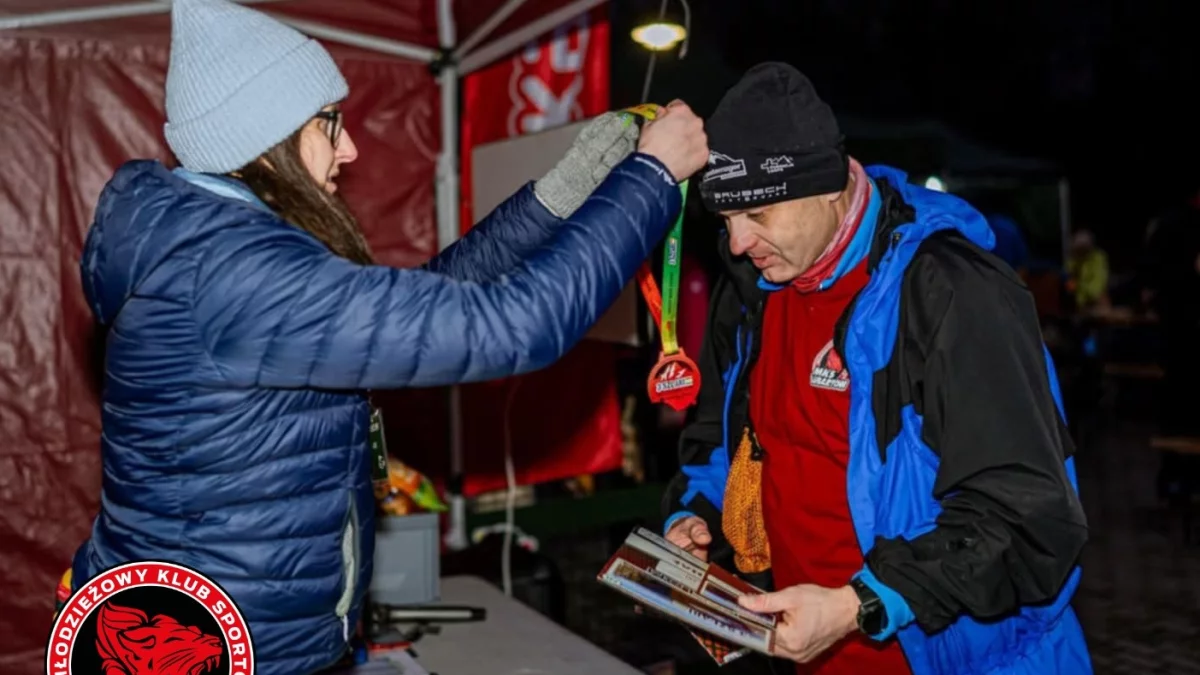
[667, 579]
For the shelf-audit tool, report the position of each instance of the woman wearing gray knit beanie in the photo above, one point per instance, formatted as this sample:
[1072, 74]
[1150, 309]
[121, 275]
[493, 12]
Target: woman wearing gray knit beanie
[245, 321]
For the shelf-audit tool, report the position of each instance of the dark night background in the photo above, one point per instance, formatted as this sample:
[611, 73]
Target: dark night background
[1103, 88]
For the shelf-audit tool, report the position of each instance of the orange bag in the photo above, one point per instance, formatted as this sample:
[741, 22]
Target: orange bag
[742, 517]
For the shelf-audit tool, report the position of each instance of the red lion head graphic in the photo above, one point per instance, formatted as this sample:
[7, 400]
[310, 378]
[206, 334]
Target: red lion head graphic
[833, 361]
[131, 644]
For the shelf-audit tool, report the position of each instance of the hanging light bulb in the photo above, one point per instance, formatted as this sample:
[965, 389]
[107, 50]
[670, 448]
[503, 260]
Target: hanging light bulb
[659, 36]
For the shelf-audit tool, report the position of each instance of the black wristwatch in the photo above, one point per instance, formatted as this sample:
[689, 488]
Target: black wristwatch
[872, 616]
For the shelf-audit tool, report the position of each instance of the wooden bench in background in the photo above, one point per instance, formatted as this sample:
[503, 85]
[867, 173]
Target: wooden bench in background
[1184, 445]
[1134, 371]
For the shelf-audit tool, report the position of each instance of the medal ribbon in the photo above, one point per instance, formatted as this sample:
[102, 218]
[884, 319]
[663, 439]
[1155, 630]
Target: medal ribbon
[664, 306]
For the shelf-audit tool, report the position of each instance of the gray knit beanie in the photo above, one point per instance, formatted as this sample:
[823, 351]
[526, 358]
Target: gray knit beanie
[239, 82]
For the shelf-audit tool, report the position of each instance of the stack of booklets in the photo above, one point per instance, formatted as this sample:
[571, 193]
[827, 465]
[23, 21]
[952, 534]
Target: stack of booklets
[667, 579]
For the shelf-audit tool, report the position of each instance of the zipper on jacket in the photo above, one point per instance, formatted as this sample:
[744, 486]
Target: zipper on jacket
[350, 550]
[740, 387]
[741, 383]
[730, 389]
[756, 451]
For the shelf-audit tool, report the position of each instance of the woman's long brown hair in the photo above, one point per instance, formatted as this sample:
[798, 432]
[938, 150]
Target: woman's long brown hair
[285, 185]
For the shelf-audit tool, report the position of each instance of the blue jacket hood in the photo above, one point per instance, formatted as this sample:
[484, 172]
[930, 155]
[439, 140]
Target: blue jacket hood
[139, 224]
[936, 211]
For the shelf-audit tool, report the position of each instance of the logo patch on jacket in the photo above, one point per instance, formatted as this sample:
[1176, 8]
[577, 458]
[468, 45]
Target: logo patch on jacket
[150, 618]
[829, 371]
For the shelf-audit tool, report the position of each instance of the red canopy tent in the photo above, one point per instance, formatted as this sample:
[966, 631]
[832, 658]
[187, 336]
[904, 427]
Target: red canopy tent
[83, 82]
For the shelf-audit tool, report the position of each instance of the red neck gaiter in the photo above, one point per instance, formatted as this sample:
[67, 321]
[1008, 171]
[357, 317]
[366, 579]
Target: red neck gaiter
[828, 261]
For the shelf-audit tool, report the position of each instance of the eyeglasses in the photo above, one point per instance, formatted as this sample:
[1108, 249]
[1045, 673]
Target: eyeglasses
[333, 125]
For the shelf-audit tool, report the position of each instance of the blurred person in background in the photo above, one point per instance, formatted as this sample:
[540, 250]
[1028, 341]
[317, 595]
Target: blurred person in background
[878, 436]
[246, 322]
[1087, 289]
[1087, 273]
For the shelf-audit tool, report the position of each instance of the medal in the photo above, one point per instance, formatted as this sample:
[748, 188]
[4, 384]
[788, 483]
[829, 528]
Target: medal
[675, 379]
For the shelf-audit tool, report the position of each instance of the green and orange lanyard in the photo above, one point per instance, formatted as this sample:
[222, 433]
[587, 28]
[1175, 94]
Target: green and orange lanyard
[675, 379]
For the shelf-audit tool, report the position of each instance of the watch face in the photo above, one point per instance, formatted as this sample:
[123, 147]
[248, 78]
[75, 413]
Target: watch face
[871, 614]
[870, 617]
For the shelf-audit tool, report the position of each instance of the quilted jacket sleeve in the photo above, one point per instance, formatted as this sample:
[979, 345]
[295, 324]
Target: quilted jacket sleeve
[505, 237]
[277, 310]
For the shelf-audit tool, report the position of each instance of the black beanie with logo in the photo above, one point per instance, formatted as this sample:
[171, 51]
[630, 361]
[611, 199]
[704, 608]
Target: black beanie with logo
[772, 139]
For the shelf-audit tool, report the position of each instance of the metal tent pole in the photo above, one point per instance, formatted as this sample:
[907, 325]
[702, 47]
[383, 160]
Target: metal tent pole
[448, 203]
[101, 13]
[518, 38]
[317, 30]
[486, 28]
[403, 50]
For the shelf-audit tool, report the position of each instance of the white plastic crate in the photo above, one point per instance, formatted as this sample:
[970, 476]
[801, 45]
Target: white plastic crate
[407, 560]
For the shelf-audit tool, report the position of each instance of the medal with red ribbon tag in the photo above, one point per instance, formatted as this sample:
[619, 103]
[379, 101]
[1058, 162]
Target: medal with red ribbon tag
[675, 379]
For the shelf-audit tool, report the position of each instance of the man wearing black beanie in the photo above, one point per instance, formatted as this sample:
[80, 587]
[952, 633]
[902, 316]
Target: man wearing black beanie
[879, 434]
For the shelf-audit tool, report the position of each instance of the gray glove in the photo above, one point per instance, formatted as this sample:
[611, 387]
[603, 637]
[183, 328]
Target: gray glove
[602, 144]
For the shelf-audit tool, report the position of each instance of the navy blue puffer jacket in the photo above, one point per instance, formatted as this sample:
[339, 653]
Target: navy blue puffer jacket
[234, 427]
